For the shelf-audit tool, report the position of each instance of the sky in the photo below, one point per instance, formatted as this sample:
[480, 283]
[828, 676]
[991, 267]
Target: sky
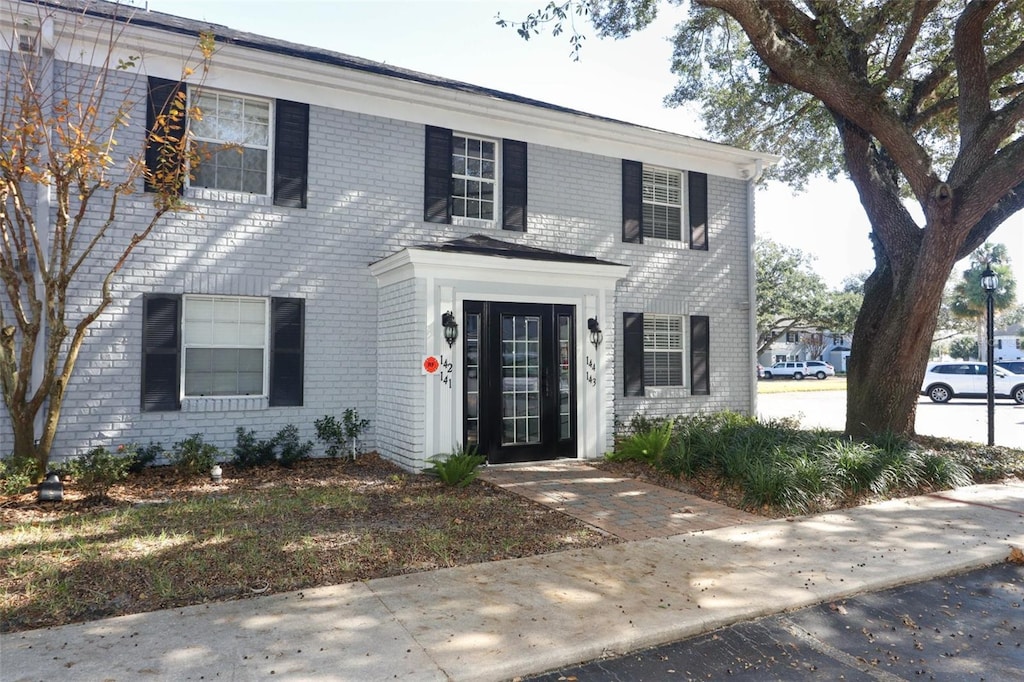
[626, 80]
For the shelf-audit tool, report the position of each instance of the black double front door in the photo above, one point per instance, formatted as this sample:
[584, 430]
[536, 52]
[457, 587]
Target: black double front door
[520, 380]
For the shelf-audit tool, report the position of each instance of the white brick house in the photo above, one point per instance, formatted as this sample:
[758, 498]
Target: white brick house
[367, 205]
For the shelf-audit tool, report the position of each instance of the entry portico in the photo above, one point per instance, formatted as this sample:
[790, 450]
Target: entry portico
[522, 381]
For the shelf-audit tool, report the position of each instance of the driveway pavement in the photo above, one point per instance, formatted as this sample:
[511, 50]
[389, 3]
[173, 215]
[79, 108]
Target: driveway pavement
[952, 628]
[959, 419]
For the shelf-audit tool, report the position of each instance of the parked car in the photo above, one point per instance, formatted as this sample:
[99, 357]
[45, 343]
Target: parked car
[760, 371]
[799, 370]
[946, 380]
[1015, 366]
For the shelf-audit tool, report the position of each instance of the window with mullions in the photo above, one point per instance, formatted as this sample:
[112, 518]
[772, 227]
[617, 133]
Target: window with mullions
[663, 350]
[662, 203]
[225, 340]
[233, 142]
[474, 177]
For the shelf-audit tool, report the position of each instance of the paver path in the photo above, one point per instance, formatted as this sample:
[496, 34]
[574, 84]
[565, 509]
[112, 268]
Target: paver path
[624, 507]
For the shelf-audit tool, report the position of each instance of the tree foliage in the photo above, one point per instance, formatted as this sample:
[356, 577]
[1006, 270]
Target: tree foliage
[969, 298]
[791, 296]
[60, 124]
[918, 100]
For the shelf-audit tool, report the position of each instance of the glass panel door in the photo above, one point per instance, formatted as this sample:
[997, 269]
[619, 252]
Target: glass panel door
[519, 398]
[520, 379]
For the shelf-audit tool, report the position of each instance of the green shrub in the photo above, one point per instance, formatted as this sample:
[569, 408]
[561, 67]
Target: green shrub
[339, 436]
[289, 449]
[330, 432]
[14, 478]
[458, 468]
[144, 455]
[193, 457]
[250, 452]
[644, 446]
[100, 469]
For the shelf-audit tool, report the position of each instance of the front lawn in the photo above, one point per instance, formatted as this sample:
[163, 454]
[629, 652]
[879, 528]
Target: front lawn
[163, 540]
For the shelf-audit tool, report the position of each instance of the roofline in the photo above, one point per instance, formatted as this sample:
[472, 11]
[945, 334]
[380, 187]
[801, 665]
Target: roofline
[735, 162]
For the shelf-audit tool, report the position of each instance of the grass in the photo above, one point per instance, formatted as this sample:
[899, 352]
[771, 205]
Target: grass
[165, 542]
[766, 386]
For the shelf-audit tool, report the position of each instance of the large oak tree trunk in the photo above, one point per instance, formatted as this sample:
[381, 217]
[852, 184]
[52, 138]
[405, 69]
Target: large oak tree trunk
[892, 339]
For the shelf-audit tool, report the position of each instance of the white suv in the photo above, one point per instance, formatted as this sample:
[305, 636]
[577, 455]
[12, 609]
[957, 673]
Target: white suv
[946, 380]
[799, 370]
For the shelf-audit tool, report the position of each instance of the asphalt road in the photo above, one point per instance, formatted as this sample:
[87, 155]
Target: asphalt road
[967, 627]
[962, 419]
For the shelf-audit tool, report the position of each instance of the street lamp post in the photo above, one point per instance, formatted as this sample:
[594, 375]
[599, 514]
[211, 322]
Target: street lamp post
[989, 282]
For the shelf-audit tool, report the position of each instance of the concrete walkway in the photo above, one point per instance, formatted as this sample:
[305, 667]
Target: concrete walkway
[503, 619]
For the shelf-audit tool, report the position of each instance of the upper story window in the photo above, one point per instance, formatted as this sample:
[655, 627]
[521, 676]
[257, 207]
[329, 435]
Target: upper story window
[653, 205]
[474, 177]
[248, 145]
[792, 337]
[233, 138]
[474, 180]
[663, 203]
[225, 341]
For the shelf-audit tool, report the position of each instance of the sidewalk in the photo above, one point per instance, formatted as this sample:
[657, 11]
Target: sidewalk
[503, 619]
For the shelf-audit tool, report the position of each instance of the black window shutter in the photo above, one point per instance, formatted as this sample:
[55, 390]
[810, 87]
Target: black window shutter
[632, 202]
[697, 191]
[287, 317]
[513, 185]
[291, 153]
[161, 352]
[633, 353]
[162, 94]
[437, 183]
[700, 343]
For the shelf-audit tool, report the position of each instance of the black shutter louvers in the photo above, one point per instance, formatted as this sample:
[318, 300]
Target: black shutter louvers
[161, 352]
[437, 182]
[697, 193]
[291, 153]
[513, 185]
[632, 201]
[287, 346]
[161, 95]
[700, 351]
[633, 354]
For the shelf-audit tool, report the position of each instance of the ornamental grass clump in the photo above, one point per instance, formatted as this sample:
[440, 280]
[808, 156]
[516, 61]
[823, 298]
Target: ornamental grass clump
[458, 468]
[775, 464]
[647, 445]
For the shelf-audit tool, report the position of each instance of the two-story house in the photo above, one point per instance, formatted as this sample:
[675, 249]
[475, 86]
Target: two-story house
[460, 265]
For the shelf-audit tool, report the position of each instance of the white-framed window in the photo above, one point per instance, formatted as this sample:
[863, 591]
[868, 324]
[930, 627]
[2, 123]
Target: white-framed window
[233, 140]
[663, 350]
[662, 203]
[474, 178]
[225, 340]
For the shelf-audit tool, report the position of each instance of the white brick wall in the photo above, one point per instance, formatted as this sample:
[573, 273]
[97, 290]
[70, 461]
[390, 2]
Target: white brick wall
[362, 344]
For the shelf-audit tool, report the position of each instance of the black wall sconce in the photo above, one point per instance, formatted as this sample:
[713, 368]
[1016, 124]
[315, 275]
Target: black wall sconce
[451, 328]
[596, 335]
